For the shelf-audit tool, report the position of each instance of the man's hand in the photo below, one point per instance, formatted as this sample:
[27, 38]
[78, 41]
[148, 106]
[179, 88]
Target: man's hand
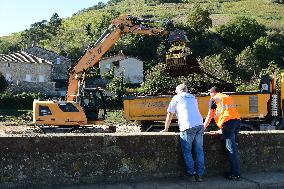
[215, 132]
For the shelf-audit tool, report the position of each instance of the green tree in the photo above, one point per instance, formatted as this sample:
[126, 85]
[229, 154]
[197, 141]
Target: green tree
[266, 51]
[37, 32]
[247, 65]
[157, 81]
[241, 32]
[198, 19]
[117, 87]
[8, 46]
[54, 24]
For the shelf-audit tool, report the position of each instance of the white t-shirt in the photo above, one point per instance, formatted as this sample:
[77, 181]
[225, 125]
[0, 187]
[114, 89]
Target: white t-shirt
[185, 107]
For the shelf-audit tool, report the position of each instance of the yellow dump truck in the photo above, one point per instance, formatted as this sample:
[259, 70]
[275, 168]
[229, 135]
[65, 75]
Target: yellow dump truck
[259, 110]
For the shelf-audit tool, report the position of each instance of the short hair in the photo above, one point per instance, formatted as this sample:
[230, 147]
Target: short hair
[182, 88]
[214, 90]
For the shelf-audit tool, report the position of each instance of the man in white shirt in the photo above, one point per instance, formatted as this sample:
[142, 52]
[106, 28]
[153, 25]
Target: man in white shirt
[190, 122]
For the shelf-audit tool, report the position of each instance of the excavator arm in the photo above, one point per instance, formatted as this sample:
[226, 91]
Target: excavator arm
[119, 26]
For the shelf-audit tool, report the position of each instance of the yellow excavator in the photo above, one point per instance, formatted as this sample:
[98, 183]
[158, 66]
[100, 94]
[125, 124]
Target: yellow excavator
[86, 106]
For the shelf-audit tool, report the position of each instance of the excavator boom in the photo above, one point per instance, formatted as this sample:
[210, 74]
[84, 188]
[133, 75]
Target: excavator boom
[119, 26]
[86, 106]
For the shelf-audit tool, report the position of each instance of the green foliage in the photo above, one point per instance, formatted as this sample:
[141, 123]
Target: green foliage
[114, 1]
[162, 1]
[8, 46]
[3, 83]
[215, 65]
[117, 87]
[198, 19]
[266, 51]
[115, 117]
[241, 32]
[277, 1]
[41, 31]
[247, 64]
[54, 24]
[249, 86]
[274, 71]
[18, 101]
[236, 52]
[157, 81]
[253, 84]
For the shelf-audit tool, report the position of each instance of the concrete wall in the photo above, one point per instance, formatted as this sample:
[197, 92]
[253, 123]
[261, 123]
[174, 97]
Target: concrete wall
[90, 158]
[131, 68]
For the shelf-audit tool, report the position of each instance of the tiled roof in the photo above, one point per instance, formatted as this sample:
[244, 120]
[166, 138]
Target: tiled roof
[22, 56]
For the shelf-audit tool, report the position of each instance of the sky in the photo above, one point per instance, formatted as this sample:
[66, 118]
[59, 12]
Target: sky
[18, 15]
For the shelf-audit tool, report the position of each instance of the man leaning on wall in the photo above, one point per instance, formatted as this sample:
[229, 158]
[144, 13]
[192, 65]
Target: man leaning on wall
[227, 118]
[190, 122]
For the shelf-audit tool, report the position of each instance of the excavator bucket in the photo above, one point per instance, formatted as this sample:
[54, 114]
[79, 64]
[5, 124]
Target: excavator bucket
[179, 58]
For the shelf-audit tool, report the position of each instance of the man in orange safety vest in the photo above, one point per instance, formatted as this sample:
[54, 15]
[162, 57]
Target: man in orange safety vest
[227, 118]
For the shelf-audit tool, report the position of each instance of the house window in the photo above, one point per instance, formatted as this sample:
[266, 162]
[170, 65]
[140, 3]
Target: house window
[8, 64]
[107, 66]
[57, 60]
[28, 77]
[41, 78]
[8, 77]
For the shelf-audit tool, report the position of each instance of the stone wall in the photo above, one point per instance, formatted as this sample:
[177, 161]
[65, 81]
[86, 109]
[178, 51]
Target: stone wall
[20, 70]
[90, 158]
[47, 88]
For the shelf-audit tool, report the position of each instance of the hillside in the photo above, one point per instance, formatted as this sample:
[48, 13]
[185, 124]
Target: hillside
[246, 37]
[265, 12]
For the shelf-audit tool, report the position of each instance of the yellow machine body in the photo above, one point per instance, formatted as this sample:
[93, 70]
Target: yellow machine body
[58, 113]
[154, 108]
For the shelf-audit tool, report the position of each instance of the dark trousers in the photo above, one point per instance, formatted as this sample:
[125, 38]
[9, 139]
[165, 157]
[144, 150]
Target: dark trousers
[230, 132]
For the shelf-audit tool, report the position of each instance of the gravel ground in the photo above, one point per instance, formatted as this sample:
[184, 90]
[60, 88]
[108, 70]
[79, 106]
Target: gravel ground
[7, 128]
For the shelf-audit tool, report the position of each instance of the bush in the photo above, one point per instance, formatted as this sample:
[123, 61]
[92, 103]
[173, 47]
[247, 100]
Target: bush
[241, 32]
[198, 19]
[18, 101]
[157, 81]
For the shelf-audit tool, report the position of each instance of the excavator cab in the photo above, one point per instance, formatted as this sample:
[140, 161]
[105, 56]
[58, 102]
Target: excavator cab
[179, 59]
[90, 110]
[93, 103]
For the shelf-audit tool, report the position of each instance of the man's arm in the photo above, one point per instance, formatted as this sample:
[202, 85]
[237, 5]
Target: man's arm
[208, 118]
[168, 122]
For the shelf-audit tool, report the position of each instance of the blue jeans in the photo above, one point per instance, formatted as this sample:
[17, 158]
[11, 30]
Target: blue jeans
[193, 138]
[230, 132]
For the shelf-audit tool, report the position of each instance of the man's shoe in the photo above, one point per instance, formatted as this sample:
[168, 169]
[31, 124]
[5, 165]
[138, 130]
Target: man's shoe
[190, 177]
[198, 178]
[233, 177]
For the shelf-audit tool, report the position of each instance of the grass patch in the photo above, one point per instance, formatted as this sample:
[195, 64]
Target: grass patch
[13, 114]
[115, 117]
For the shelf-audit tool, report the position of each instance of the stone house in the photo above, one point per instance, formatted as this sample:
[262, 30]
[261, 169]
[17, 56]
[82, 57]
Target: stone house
[61, 64]
[129, 67]
[21, 69]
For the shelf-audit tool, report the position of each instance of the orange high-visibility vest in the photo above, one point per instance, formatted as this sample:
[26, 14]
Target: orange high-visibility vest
[226, 109]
